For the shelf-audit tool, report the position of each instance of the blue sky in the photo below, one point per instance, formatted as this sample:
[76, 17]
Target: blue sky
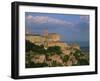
[70, 27]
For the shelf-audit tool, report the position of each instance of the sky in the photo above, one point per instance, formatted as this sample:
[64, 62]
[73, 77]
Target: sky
[70, 27]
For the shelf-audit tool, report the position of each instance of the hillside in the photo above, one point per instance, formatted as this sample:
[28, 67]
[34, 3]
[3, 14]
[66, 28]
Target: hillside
[53, 56]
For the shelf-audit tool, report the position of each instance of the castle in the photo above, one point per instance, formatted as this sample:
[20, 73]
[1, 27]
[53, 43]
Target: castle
[51, 39]
[48, 40]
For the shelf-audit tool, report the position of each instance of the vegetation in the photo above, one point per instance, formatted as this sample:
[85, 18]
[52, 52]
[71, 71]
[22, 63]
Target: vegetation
[65, 58]
[35, 48]
[54, 64]
[34, 65]
[83, 62]
[54, 49]
[32, 50]
[41, 50]
[77, 54]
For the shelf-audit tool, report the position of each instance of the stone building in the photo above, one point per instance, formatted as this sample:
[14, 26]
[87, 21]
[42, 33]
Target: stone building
[34, 38]
[52, 39]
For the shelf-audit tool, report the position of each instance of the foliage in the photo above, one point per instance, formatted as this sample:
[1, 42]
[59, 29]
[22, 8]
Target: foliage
[28, 56]
[65, 58]
[41, 50]
[55, 49]
[29, 45]
[77, 54]
[34, 65]
[83, 62]
[32, 49]
[35, 48]
[54, 63]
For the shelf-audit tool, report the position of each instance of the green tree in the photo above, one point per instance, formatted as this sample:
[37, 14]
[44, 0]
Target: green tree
[65, 58]
[34, 65]
[35, 48]
[77, 54]
[54, 63]
[83, 62]
[55, 49]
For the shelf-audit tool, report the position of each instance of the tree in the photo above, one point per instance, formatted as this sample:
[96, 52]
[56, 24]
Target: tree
[77, 54]
[34, 65]
[65, 58]
[35, 48]
[55, 49]
[83, 62]
[54, 63]
[29, 45]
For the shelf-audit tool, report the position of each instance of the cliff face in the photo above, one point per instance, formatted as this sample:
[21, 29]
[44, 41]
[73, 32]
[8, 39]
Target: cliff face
[49, 51]
[55, 56]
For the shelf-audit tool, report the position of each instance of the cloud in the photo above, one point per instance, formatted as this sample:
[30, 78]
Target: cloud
[48, 20]
[84, 18]
[29, 17]
[82, 24]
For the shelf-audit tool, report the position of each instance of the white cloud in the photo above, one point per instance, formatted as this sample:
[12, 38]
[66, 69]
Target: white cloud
[46, 19]
[86, 18]
[29, 17]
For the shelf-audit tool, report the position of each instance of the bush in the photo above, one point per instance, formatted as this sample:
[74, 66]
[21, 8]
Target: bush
[29, 46]
[40, 49]
[55, 49]
[34, 65]
[65, 58]
[35, 48]
[77, 54]
[83, 62]
[54, 64]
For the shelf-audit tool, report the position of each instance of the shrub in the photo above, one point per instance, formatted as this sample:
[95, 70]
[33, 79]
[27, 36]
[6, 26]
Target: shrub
[35, 48]
[34, 65]
[55, 49]
[54, 64]
[65, 58]
[83, 62]
[77, 54]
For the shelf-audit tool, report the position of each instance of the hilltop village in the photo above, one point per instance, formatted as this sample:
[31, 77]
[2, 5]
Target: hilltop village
[48, 50]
